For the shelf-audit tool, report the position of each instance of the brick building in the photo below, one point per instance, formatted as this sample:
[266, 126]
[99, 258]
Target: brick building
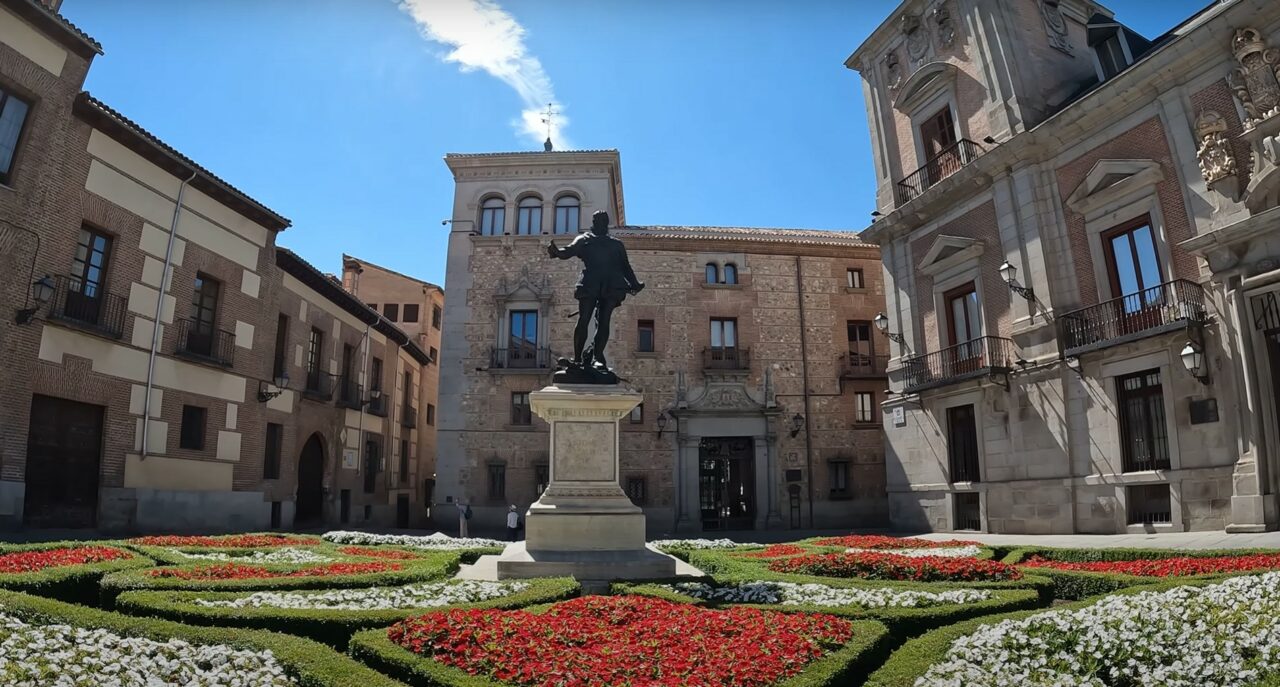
[1080, 265]
[753, 348]
[158, 349]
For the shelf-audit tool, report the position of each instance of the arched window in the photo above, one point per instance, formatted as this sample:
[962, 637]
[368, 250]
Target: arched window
[529, 216]
[493, 217]
[731, 274]
[713, 273]
[567, 215]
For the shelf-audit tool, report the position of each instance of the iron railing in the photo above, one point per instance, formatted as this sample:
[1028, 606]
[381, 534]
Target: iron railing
[1149, 312]
[718, 358]
[207, 343]
[408, 416]
[318, 385]
[88, 306]
[1149, 504]
[939, 167]
[350, 393]
[378, 403]
[861, 365]
[520, 358]
[984, 355]
[968, 507]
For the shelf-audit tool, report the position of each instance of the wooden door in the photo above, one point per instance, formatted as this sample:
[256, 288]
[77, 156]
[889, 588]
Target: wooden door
[64, 454]
[938, 135]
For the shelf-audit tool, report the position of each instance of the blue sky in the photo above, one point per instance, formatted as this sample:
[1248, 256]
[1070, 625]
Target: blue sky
[336, 113]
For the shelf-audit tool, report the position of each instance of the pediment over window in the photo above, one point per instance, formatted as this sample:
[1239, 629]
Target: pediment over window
[523, 288]
[925, 83]
[949, 251]
[1113, 180]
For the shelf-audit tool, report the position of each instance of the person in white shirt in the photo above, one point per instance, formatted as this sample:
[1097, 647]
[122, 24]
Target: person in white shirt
[513, 523]
[462, 518]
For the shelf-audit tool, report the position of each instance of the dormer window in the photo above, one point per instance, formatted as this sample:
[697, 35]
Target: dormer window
[1111, 58]
[1114, 46]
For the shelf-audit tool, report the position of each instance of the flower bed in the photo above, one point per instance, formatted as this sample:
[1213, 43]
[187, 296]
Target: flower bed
[970, 551]
[887, 566]
[698, 544]
[438, 541]
[287, 554]
[879, 541]
[791, 593]
[424, 595]
[47, 642]
[1178, 566]
[236, 571]
[606, 641]
[64, 570]
[370, 552]
[231, 541]
[32, 561]
[776, 551]
[1223, 633]
[1082, 573]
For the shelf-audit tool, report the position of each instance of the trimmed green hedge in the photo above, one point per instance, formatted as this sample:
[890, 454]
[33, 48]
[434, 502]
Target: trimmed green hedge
[848, 665]
[70, 583]
[332, 627]
[436, 566]
[307, 662]
[1073, 585]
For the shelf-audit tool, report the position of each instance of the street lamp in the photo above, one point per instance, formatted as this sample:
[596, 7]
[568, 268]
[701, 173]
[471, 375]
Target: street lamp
[1009, 275]
[41, 292]
[281, 382]
[662, 422]
[882, 323]
[1193, 359]
[797, 424]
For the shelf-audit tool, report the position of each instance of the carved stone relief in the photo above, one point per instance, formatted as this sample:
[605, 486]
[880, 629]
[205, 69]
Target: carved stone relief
[1256, 81]
[892, 70]
[917, 39]
[944, 25]
[1217, 163]
[1055, 25]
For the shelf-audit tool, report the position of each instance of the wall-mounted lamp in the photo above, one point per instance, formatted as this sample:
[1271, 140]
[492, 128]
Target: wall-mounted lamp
[1193, 359]
[989, 140]
[41, 293]
[797, 424]
[266, 394]
[1009, 275]
[882, 323]
[1074, 365]
[662, 422]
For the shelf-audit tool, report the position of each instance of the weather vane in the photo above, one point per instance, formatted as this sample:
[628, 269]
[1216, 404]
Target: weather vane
[546, 119]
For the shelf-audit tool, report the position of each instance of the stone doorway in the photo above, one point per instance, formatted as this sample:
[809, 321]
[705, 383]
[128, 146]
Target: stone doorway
[64, 452]
[726, 483]
[309, 503]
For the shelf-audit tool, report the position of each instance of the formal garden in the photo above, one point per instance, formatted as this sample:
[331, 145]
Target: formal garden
[366, 610]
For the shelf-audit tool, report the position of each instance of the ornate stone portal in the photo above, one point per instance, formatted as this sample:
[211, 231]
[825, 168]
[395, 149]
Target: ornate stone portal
[584, 525]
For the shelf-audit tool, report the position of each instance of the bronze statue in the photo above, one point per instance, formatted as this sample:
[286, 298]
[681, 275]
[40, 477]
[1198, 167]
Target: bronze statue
[606, 280]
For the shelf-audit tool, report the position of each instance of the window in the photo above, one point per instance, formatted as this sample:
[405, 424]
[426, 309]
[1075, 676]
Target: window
[520, 414]
[1133, 264]
[410, 312]
[1144, 443]
[192, 433]
[731, 274]
[493, 217]
[637, 414]
[962, 443]
[713, 273]
[522, 346]
[1111, 56]
[88, 276]
[373, 307]
[278, 365]
[375, 375]
[853, 278]
[271, 461]
[314, 346]
[529, 216]
[391, 311]
[724, 332]
[13, 114]
[968, 511]
[1149, 504]
[406, 394]
[937, 133]
[276, 511]
[372, 464]
[204, 314]
[497, 481]
[435, 316]
[864, 407]
[567, 215]
[963, 323]
[433, 354]
[861, 349]
[431, 414]
[541, 476]
[636, 490]
[838, 478]
[404, 461]
[644, 336]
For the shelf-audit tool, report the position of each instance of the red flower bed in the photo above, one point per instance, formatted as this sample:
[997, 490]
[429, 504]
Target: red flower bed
[887, 566]
[879, 541]
[31, 561]
[776, 551]
[600, 641]
[236, 571]
[235, 541]
[369, 552]
[1167, 567]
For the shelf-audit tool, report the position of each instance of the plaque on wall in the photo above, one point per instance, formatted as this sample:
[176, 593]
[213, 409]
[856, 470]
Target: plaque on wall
[794, 476]
[899, 417]
[1204, 410]
[350, 459]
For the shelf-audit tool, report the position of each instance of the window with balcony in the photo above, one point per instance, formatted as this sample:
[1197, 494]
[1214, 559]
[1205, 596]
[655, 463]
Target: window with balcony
[13, 115]
[862, 360]
[724, 353]
[493, 217]
[853, 278]
[315, 345]
[200, 335]
[529, 216]
[86, 287]
[404, 461]
[963, 320]
[938, 133]
[372, 463]
[520, 411]
[567, 208]
[962, 443]
[864, 407]
[724, 332]
[522, 339]
[838, 479]
[644, 336]
[1144, 443]
[1133, 263]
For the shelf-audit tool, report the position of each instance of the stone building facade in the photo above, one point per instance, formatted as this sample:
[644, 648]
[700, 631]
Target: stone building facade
[754, 350]
[1078, 253]
[147, 341]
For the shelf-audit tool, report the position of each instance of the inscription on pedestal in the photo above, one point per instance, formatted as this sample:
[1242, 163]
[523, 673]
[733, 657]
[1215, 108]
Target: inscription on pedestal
[583, 452]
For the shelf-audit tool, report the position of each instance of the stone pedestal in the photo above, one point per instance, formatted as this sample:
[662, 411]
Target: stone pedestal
[584, 525]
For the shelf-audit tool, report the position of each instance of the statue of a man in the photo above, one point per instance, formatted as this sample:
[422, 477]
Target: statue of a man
[606, 280]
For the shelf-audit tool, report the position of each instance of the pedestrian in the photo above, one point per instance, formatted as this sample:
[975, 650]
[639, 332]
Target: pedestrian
[513, 523]
[464, 514]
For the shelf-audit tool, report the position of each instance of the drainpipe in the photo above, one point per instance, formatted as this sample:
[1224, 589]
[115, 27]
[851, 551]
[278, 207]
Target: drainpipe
[804, 370]
[364, 365]
[155, 331]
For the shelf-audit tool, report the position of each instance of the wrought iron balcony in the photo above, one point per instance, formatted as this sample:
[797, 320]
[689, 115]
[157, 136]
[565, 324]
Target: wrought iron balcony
[350, 393]
[408, 416]
[318, 386]
[202, 342]
[720, 358]
[1168, 307]
[939, 167]
[520, 358]
[986, 355]
[378, 403]
[862, 366]
[88, 306]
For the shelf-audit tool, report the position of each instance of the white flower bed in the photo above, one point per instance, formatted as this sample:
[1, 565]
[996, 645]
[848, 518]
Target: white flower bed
[942, 552]
[284, 555]
[821, 595]
[698, 544]
[1225, 634]
[438, 540]
[40, 655]
[424, 595]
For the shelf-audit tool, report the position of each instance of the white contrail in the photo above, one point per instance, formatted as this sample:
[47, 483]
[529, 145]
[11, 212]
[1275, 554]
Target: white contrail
[481, 35]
